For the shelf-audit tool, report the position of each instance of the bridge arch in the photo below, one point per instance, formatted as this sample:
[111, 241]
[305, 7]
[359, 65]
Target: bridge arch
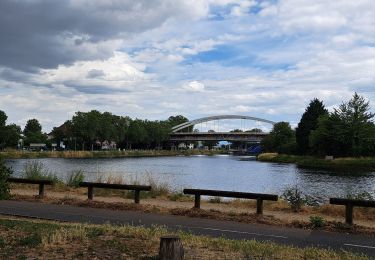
[179, 127]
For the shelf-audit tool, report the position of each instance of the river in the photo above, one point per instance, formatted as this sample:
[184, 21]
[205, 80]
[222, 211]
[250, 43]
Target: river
[222, 172]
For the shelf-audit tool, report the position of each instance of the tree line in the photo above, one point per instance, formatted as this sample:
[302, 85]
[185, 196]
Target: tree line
[348, 130]
[89, 130]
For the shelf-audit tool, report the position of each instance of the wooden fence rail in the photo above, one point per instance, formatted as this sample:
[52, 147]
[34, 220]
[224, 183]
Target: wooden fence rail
[137, 188]
[30, 181]
[231, 194]
[349, 204]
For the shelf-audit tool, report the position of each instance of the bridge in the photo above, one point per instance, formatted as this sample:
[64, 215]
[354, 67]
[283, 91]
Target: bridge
[184, 132]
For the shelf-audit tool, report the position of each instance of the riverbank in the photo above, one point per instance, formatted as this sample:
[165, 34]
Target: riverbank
[15, 154]
[22, 238]
[338, 164]
[162, 201]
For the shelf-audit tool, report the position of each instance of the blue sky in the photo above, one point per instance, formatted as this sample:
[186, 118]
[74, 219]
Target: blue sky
[154, 59]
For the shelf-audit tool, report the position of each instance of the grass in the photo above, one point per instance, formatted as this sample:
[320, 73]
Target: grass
[46, 239]
[35, 170]
[74, 178]
[347, 164]
[16, 154]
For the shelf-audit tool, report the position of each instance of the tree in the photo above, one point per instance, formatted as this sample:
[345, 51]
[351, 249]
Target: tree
[281, 139]
[33, 132]
[12, 135]
[348, 131]
[137, 134]
[3, 119]
[177, 120]
[309, 122]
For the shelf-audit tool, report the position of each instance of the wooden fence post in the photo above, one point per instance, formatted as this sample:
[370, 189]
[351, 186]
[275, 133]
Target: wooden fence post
[197, 201]
[171, 248]
[90, 192]
[41, 190]
[349, 214]
[259, 206]
[136, 196]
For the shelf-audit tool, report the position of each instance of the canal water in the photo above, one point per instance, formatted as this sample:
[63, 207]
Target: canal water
[222, 172]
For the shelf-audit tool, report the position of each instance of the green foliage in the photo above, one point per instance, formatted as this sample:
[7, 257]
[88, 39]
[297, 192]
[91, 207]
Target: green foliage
[35, 170]
[309, 122]
[5, 172]
[9, 134]
[364, 195]
[281, 139]
[215, 200]
[317, 221]
[294, 197]
[74, 178]
[179, 196]
[33, 132]
[90, 129]
[348, 131]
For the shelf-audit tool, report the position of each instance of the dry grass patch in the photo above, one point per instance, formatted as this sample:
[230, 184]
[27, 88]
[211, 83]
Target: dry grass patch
[83, 241]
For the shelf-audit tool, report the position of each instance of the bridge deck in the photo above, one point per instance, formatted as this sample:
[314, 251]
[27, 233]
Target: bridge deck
[254, 137]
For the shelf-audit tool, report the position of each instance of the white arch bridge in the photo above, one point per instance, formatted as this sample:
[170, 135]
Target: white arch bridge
[178, 135]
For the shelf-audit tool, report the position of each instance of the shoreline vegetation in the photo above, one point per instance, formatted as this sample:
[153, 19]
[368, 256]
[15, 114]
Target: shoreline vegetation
[337, 164]
[16, 154]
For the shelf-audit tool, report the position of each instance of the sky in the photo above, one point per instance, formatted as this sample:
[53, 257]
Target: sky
[153, 59]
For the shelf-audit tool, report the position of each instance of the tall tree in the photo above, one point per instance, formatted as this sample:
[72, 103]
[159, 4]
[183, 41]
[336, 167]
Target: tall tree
[348, 131]
[33, 132]
[281, 139]
[3, 119]
[12, 135]
[309, 122]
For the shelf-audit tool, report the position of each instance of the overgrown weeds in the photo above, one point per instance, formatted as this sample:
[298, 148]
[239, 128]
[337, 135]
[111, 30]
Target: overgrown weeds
[35, 170]
[74, 178]
[317, 221]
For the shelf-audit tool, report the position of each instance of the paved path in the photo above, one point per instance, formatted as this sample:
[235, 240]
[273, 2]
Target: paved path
[215, 228]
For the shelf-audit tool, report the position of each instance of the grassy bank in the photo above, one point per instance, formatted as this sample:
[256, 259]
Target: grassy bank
[15, 154]
[337, 164]
[34, 239]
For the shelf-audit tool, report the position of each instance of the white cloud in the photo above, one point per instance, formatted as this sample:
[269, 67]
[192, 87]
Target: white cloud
[194, 86]
[145, 59]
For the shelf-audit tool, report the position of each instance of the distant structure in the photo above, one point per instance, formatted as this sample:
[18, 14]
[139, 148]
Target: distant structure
[255, 137]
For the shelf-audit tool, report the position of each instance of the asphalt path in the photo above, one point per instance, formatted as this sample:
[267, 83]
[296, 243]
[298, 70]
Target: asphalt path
[215, 228]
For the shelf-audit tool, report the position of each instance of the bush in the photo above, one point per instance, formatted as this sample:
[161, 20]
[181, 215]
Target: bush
[364, 195]
[317, 221]
[5, 172]
[294, 197]
[74, 178]
[34, 170]
[215, 200]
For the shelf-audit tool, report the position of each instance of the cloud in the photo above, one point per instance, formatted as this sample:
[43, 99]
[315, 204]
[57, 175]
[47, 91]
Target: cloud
[44, 34]
[153, 59]
[194, 86]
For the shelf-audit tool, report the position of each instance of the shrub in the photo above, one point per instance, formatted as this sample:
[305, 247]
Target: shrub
[34, 170]
[317, 221]
[215, 200]
[5, 172]
[179, 196]
[364, 195]
[294, 197]
[74, 178]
